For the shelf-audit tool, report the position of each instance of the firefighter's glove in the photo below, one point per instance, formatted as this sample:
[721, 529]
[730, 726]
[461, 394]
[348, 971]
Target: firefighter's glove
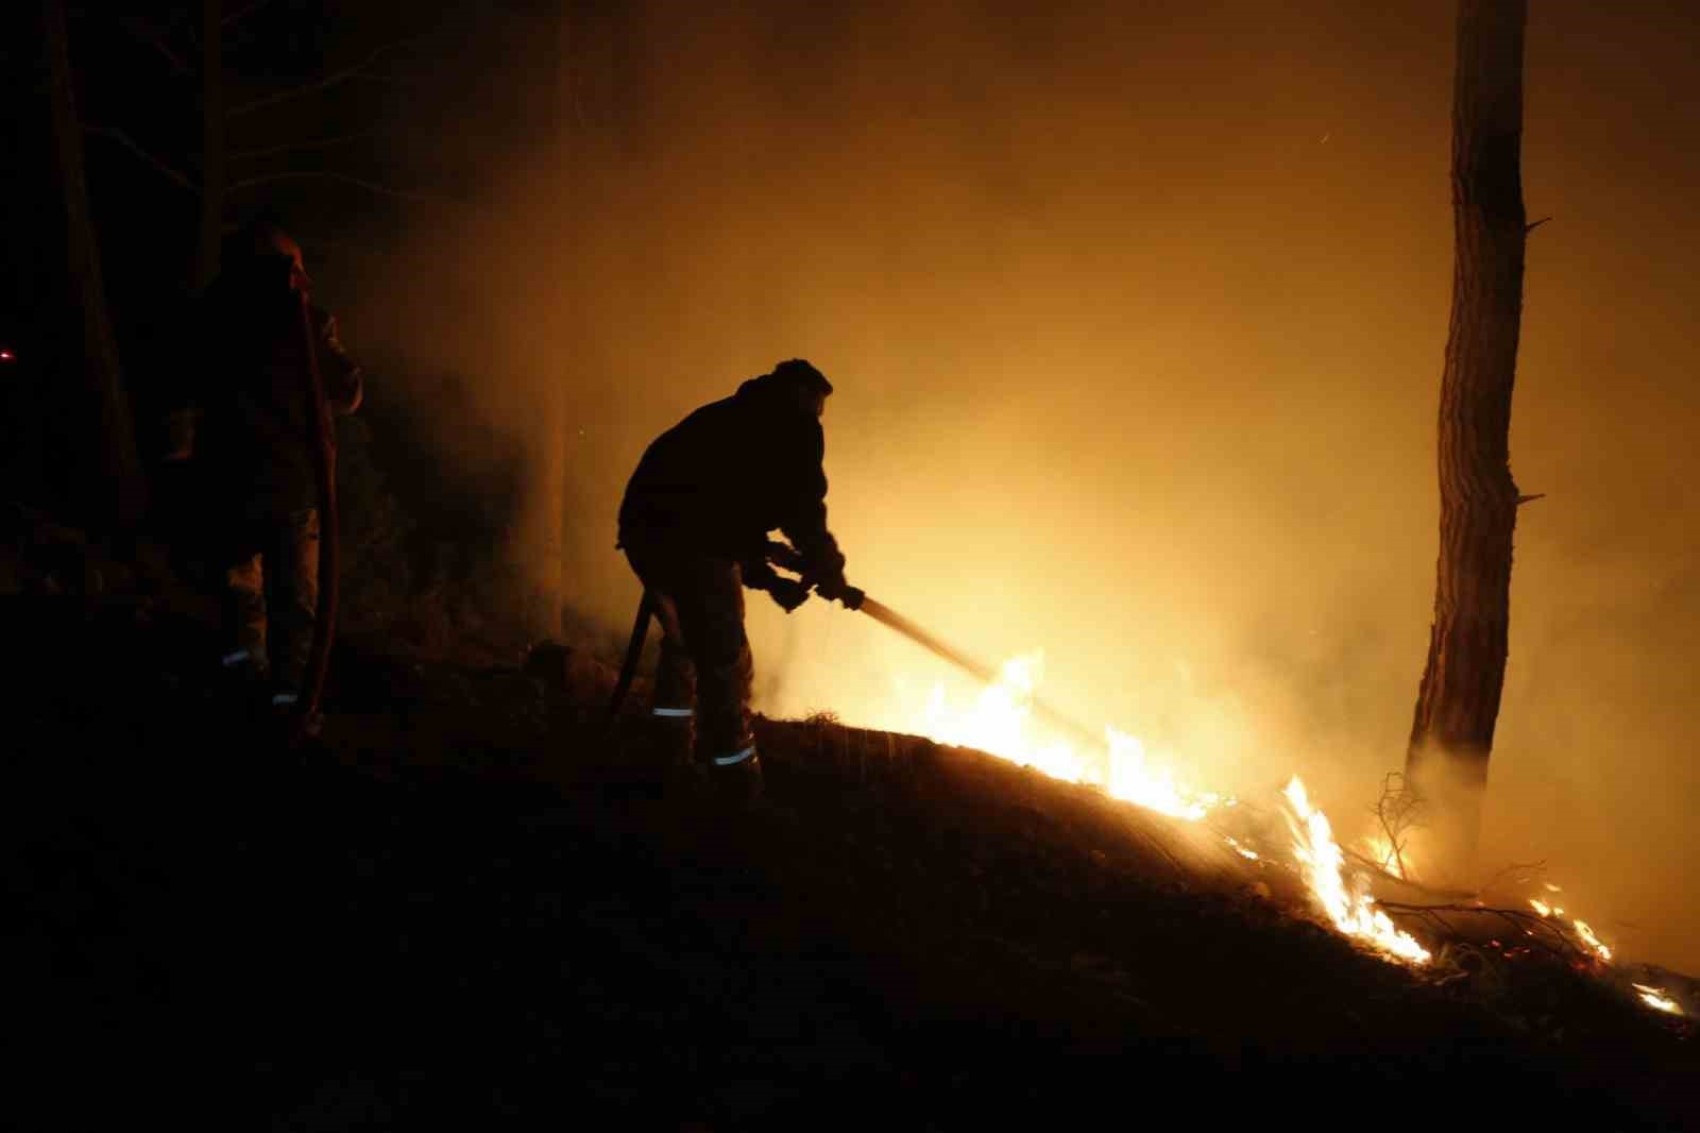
[789, 593]
[785, 557]
[837, 590]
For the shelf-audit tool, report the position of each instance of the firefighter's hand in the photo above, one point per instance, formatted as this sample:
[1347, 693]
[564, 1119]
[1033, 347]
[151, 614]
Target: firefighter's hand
[785, 556]
[837, 590]
[789, 593]
[180, 435]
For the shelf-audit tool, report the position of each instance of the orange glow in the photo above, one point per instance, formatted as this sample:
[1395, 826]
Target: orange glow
[1350, 907]
[1000, 723]
[1658, 999]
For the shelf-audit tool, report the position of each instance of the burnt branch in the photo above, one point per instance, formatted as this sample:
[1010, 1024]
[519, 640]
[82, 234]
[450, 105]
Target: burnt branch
[292, 147]
[343, 178]
[1549, 932]
[159, 166]
[1375, 869]
[150, 36]
[1397, 811]
[236, 17]
[326, 82]
[1515, 874]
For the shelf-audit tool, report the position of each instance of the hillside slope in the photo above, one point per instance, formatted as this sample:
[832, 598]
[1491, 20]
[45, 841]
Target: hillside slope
[461, 909]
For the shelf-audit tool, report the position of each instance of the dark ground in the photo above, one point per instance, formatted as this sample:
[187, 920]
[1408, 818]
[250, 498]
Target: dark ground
[451, 914]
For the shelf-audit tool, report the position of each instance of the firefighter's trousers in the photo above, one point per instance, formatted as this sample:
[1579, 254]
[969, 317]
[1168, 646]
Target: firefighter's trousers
[702, 689]
[272, 596]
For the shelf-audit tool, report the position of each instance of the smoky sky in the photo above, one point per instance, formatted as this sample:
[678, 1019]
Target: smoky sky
[1136, 314]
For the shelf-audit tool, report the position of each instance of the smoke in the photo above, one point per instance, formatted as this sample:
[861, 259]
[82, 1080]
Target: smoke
[1136, 315]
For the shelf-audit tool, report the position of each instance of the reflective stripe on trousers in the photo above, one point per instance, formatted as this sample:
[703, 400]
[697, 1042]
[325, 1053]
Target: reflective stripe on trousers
[705, 656]
[735, 758]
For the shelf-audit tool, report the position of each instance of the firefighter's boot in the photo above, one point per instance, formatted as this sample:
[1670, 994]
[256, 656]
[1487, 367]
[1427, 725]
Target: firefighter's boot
[736, 777]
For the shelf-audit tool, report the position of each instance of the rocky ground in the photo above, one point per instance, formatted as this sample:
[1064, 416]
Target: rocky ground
[466, 906]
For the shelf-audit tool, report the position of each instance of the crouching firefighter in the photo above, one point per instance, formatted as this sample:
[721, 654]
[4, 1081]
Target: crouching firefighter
[695, 525]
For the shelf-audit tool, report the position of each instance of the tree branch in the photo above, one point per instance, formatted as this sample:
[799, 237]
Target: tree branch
[335, 78]
[1376, 869]
[1522, 921]
[147, 34]
[1528, 228]
[288, 147]
[243, 13]
[1397, 810]
[136, 148]
[343, 178]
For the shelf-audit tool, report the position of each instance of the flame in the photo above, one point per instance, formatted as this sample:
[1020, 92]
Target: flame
[1588, 938]
[1658, 999]
[1381, 850]
[1577, 924]
[1134, 779]
[1243, 851]
[1352, 910]
[1000, 723]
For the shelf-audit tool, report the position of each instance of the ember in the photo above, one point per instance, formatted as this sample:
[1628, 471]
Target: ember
[1656, 998]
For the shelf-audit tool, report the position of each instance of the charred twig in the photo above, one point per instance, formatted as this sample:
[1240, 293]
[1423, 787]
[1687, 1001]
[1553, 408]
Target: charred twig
[1436, 914]
[1515, 874]
[151, 36]
[359, 182]
[1397, 811]
[1377, 870]
[335, 78]
[291, 147]
[136, 148]
[242, 13]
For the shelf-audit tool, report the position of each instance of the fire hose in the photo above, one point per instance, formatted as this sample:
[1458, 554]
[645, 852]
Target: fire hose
[987, 674]
[324, 469]
[854, 599]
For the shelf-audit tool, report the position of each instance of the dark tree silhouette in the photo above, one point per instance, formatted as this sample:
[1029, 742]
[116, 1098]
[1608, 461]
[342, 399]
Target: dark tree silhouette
[1458, 703]
[118, 497]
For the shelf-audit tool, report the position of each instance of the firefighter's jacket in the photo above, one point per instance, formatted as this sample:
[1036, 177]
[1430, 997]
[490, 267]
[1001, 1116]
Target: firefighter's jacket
[720, 480]
[256, 436]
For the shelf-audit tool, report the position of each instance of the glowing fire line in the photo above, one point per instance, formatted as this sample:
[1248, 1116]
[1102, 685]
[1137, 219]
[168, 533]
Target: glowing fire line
[999, 723]
[1657, 999]
[1351, 909]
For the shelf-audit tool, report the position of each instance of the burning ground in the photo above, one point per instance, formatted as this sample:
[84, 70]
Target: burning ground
[464, 907]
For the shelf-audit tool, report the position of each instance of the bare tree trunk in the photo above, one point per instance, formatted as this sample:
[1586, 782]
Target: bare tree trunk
[121, 496]
[542, 541]
[1458, 704]
[212, 143]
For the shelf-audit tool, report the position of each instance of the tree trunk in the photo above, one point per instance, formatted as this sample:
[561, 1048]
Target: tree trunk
[119, 497]
[1458, 703]
[211, 238]
[542, 539]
